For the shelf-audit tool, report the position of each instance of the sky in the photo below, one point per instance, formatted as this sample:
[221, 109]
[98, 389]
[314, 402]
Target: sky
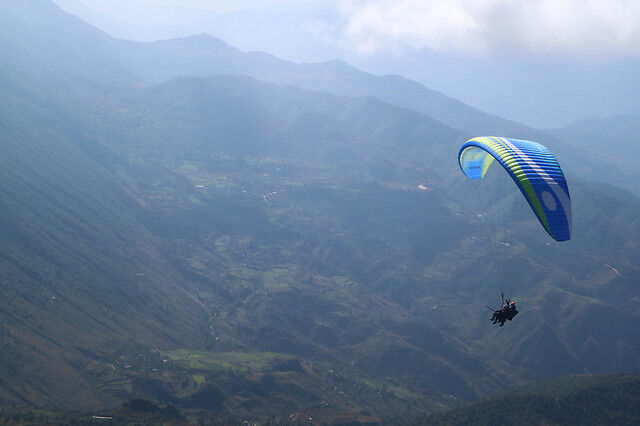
[471, 27]
[522, 47]
[485, 27]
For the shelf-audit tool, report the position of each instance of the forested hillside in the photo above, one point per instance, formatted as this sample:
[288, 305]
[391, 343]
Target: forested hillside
[577, 400]
[225, 244]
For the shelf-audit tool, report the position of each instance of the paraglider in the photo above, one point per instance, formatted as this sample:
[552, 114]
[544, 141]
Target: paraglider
[507, 312]
[539, 177]
[535, 171]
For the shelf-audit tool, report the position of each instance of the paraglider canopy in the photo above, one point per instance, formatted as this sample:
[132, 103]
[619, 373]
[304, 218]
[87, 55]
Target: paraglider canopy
[533, 168]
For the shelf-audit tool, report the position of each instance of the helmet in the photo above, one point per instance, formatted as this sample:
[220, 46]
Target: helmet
[513, 303]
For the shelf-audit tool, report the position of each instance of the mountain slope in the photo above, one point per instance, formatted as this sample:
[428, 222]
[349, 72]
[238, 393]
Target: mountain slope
[78, 269]
[613, 140]
[204, 55]
[606, 399]
[616, 134]
[80, 278]
[102, 281]
[223, 161]
[263, 249]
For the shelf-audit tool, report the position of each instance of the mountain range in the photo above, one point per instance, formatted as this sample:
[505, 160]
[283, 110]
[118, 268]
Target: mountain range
[230, 232]
[541, 89]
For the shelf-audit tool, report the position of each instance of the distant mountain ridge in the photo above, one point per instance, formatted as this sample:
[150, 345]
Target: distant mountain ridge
[203, 55]
[617, 135]
[539, 89]
[614, 139]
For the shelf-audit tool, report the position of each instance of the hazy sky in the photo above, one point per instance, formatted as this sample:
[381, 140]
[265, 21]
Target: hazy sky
[165, 12]
[470, 27]
[487, 26]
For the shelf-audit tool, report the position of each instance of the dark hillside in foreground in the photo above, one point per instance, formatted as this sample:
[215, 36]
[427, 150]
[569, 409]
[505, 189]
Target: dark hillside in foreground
[574, 400]
[80, 278]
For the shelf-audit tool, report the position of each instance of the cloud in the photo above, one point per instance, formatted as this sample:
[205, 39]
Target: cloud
[576, 27]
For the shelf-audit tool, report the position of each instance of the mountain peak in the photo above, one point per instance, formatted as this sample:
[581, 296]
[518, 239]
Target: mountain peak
[202, 41]
[337, 63]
